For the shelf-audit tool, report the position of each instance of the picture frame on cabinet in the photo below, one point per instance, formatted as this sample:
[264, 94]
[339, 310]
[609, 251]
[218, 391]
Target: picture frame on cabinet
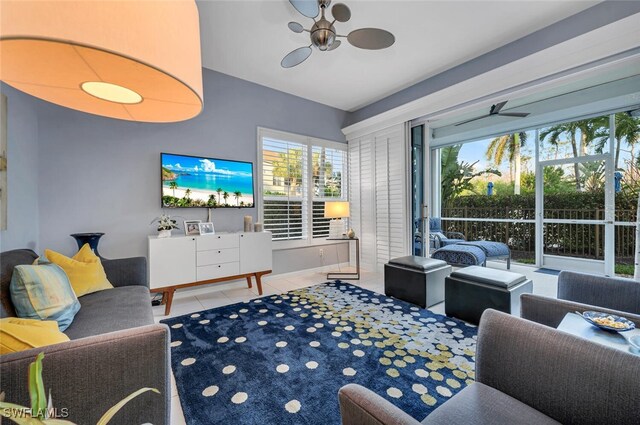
[206, 229]
[191, 227]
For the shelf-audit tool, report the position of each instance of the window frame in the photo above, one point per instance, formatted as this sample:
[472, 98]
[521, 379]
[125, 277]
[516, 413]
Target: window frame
[309, 143]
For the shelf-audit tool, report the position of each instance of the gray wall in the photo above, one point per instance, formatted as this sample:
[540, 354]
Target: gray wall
[22, 172]
[100, 174]
[588, 20]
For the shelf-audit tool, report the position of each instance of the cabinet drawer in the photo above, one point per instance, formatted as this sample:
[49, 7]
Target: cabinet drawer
[208, 243]
[216, 271]
[218, 256]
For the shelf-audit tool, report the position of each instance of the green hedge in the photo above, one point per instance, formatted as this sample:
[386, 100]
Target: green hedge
[579, 240]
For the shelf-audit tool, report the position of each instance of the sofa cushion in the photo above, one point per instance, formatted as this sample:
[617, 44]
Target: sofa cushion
[112, 310]
[481, 404]
[17, 334]
[43, 292]
[84, 269]
[8, 260]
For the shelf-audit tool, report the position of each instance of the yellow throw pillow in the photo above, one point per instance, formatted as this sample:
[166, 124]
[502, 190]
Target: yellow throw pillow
[18, 334]
[84, 270]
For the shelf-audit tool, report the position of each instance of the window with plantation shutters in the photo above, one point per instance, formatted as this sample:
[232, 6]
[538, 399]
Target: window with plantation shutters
[328, 168]
[297, 175]
[284, 188]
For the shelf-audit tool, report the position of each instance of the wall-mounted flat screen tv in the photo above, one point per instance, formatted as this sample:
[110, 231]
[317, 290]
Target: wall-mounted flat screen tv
[199, 182]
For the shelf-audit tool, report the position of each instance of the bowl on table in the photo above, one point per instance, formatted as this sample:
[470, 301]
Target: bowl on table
[607, 321]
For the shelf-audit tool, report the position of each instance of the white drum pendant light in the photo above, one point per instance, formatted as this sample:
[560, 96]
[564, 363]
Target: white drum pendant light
[131, 60]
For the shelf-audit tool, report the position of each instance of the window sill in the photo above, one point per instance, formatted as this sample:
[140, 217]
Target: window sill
[284, 245]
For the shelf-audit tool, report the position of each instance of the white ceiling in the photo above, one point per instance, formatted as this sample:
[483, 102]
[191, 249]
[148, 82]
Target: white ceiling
[248, 39]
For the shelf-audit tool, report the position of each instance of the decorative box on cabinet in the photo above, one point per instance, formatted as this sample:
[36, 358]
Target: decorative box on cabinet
[183, 261]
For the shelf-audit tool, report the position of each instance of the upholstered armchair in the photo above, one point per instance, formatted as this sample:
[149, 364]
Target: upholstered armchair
[580, 291]
[439, 238]
[526, 373]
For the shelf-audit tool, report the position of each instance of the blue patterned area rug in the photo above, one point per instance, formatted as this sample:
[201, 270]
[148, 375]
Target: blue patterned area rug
[281, 359]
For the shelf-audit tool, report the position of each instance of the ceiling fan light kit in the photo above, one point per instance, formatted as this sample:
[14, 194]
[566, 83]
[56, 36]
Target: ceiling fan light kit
[131, 60]
[323, 35]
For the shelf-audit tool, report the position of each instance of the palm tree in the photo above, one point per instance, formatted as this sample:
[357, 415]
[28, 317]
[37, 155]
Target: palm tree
[219, 190]
[511, 144]
[212, 200]
[457, 176]
[187, 193]
[237, 194]
[173, 186]
[587, 129]
[627, 129]
[225, 195]
[289, 167]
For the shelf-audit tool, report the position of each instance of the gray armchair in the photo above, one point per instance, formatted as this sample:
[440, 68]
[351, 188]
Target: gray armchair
[526, 374]
[580, 291]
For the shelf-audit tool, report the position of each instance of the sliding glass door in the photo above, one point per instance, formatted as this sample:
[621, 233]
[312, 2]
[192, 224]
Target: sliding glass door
[420, 244]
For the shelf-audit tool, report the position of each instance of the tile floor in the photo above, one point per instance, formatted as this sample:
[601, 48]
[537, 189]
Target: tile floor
[202, 298]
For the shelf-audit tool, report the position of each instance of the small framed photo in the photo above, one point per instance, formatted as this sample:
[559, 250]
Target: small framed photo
[191, 227]
[206, 228]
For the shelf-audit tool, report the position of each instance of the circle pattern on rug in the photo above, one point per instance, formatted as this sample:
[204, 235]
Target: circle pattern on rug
[293, 406]
[210, 391]
[416, 359]
[239, 398]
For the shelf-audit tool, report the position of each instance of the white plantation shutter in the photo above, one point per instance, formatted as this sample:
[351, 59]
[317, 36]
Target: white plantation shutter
[297, 175]
[284, 188]
[379, 195]
[327, 185]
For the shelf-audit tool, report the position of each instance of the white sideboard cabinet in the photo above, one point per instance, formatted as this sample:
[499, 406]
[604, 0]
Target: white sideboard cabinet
[183, 261]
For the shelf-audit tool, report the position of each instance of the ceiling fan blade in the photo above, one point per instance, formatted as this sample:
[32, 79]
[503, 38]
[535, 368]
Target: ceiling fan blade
[295, 27]
[497, 107]
[296, 57]
[471, 120]
[308, 8]
[514, 114]
[371, 38]
[341, 12]
[335, 45]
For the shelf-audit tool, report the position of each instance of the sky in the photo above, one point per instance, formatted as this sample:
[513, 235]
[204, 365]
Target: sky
[476, 151]
[205, 165]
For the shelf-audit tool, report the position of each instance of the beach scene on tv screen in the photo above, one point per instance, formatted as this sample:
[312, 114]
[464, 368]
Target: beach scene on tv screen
[203, 182]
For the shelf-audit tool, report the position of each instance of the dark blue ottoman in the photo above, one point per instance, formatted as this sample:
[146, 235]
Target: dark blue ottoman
[461, 255]
[417, 280]
[470, 291]
[492, 249]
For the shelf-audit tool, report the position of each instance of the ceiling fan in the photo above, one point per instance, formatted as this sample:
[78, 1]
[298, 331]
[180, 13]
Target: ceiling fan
[323, 34]
[495, 110]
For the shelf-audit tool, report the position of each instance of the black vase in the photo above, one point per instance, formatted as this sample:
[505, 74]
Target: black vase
[91, 238]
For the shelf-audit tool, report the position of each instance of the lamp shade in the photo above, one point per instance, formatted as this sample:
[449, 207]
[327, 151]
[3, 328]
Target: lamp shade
[132, 60]
[336, 209]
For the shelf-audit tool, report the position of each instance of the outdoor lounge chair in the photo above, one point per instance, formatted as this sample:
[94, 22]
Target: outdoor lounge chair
[438, 238]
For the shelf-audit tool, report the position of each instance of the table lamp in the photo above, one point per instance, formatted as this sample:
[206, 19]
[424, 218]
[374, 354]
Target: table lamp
[336, 210]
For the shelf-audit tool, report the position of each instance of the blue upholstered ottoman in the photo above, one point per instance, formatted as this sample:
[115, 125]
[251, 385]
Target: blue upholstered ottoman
[492, 249]
[461, 255]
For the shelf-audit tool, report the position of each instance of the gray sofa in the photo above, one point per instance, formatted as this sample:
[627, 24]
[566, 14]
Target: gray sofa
[526, 373]
[581, 292]
[115, 349]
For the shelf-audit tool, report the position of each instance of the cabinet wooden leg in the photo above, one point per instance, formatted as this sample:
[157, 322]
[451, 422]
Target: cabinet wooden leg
[249, 281]
[259, 283]
[167, 307]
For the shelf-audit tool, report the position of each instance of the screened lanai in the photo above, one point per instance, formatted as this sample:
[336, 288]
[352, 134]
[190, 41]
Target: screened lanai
[559, 186]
